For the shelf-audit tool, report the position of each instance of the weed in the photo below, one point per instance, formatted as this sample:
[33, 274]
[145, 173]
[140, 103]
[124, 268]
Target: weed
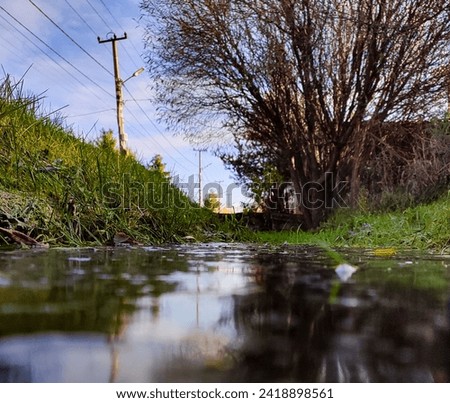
[423, 227]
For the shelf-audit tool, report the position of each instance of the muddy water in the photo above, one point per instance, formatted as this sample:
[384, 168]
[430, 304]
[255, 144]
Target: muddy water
[222, 312]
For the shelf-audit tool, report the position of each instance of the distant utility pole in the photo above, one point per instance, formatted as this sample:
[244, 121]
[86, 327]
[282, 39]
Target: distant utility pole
[119, 83]
[200, 186]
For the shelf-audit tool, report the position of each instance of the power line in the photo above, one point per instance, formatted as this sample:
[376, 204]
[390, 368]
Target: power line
[81, 17]
[48, 55]
[156, 127]
[120, 26]
[147, 139]
[108, 10]
[103, 20]
[146, 136]
[36, 41]
[99, 15]
[56, 52]
[17, 51]
[68, 36]
[137, 103]
[91, 113]
[84, 21]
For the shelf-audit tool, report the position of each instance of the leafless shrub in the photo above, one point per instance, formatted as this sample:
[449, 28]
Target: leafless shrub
[409, 163]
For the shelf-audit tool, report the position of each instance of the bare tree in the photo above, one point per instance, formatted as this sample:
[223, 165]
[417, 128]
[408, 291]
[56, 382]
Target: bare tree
[303, 80]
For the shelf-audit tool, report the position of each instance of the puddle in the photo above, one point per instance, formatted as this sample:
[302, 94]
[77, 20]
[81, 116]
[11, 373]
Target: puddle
[222, 313]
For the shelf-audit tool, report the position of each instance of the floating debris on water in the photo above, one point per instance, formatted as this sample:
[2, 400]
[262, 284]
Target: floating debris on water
[386, 252]
[79, 259]
[406, 263]
[345, 271]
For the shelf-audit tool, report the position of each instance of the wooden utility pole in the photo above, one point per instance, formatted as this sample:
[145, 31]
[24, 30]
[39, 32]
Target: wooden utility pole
[200, 189]
[119, 98]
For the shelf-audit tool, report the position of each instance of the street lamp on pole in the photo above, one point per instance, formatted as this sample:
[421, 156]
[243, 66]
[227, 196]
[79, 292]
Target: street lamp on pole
[123, 138]
[135, 74]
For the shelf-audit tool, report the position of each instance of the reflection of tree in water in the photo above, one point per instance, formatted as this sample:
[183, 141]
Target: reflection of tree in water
[49, 292]
[91, 292]
[293, 330]
[284, 336]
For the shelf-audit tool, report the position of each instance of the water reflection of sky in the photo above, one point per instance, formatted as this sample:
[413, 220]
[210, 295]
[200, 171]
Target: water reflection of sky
[217, 312]
[190, 321]
[55, 357]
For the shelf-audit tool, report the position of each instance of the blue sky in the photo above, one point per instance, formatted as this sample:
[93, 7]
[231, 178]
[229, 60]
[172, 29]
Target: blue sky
[55, 44]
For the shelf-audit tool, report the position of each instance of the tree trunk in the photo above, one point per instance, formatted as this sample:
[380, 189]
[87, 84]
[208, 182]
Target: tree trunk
[358, 158]
[311, 215]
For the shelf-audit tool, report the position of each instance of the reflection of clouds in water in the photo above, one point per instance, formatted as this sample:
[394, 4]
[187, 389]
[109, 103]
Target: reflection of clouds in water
[213, 281]
[186, 326]
[4, 281]
[185, 333]
[55, 358]
[145, 353]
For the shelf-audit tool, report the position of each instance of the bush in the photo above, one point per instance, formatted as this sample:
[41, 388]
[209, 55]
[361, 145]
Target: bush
[408, 163]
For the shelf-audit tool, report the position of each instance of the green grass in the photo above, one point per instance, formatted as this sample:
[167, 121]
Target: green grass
[61, 189]
[424, 227]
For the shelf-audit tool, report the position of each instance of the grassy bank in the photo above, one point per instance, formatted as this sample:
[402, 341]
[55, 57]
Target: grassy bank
[59, 189]
[425, 227]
